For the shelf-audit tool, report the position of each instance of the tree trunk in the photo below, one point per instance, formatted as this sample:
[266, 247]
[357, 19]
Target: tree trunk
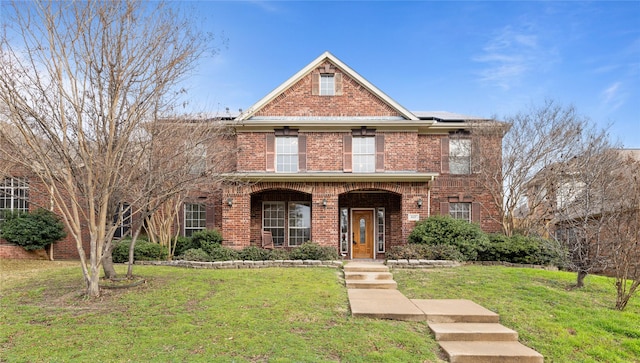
[93, 284]
[580, 279]
[107, 262]
[134, 238]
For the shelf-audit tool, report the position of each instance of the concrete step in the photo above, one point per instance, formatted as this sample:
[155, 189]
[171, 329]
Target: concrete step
[455, 311]
[371, 284]
[368, 276]
[383, 304]
[472, 332]
[365, 267]
[490, 352]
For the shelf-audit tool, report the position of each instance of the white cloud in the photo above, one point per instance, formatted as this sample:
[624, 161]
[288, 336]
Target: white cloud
[613, 96]
[510, 55]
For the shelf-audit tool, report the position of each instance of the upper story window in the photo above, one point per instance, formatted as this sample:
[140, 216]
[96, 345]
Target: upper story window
[198, 159]
[287, 154]
[364, 154]
[14, 196]
[460, 156]
[327, 84]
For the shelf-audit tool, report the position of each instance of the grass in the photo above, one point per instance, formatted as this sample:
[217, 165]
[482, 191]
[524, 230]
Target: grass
[253, 315]
[292, 315]
[562, 324]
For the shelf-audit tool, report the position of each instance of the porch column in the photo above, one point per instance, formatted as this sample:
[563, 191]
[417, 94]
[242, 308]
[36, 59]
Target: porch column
[324, 219]
[236, 217]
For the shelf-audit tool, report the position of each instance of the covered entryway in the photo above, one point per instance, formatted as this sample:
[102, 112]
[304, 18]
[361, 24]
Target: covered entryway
[363, 227]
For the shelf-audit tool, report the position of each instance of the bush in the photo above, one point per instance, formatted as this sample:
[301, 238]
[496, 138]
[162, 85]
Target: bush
[221, 253]
[467, 237]
[34, 230]
[521, 249]
[313, 251]
[195, 254]
[279, 254]
[424, 252]
[182, 245]
[143, 251]
[207, 239]
[253, 253]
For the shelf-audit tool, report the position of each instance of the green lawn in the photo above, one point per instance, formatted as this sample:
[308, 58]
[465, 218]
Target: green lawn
[292, 315]
[562, 324]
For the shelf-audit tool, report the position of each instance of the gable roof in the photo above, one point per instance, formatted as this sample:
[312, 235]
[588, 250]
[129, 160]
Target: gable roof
[326, 56]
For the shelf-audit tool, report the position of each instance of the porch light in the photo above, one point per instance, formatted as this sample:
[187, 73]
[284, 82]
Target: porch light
[419, 202]
[229, 202]
[324, 203]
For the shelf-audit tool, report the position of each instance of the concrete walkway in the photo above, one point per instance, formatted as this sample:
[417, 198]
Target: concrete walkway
[466, 331]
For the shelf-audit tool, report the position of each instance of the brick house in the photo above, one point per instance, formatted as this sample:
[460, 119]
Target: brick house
[330, 158]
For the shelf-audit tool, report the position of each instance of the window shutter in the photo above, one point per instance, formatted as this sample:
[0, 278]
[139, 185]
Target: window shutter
[444, 154]
[302, 153]
[208, 215]
[347, 154]
[379, 153]
[444, 208]
[270, 152]
[338, 83]
[315, 83]
[475, 212]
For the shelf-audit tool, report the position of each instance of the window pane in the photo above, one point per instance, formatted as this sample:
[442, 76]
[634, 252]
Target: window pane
[460, 156]
[273, 221]
[14, 196]
[327, 85]
[299, 223]
[460, 211]
[195, 218]
[364, 156]
[287, 154]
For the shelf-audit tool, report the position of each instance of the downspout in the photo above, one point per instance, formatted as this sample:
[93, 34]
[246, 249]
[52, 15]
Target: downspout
[429, 197]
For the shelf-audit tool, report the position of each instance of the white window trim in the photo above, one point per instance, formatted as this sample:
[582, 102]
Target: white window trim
[452, 211]
[284, 226]
[279, 168]
[355, 154]
[383, 231]
[327, 91]
[288, 225]
[185, 219]
[10, 187]
[463, 155]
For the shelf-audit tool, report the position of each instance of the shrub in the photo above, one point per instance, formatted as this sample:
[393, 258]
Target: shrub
[424, 252]
[279, 254]
[143, 251]
[313, 251]
[207, 239]
[521, 249]
[221, 253]
[34, 230]
[467, 237]
[253, 253]
[182, 245]
[195, 254]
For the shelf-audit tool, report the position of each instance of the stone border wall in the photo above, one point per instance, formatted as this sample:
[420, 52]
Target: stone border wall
[243, 264]
[422, 263]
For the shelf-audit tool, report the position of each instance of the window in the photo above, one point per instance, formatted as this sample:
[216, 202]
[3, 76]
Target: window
[364, 154]
[122, 220]
[14, 196]
[293, 230]
[460, 211]
[344, 231]
[460, 156]
[380, 231]
[195, 218]
[287, 154]
[199, 159]
[327, 84]
[273, 221]
[299, 223]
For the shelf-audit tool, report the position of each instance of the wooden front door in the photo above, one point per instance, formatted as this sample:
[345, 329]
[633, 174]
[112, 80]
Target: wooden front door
[362, 229]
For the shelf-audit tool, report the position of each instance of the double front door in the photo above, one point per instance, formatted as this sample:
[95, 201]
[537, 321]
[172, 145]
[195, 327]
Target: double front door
[362, 228]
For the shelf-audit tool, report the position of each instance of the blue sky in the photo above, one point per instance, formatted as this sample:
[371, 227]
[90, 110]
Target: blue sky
[479, 58]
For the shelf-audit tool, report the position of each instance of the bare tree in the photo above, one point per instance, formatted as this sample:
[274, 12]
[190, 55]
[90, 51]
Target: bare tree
[82, 83]
[536, 139]
[622, 228]
[581, 191]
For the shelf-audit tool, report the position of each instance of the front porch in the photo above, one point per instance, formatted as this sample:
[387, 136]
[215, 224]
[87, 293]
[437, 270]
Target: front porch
[360, 220]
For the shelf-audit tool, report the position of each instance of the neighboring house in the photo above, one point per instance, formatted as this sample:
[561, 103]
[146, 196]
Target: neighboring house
[328, 157]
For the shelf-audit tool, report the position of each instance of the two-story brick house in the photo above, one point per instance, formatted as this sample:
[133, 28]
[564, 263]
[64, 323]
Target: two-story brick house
[328, 157]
